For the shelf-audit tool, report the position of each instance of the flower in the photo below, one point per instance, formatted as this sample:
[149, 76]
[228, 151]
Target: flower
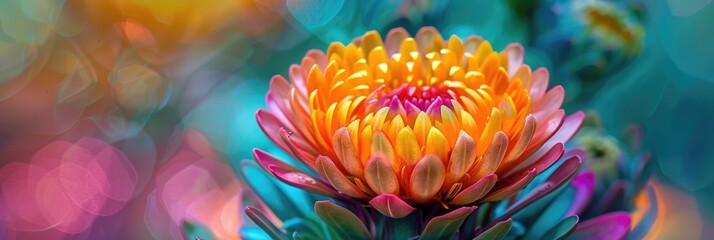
[588, 41]
[415, 121]
[622, 169]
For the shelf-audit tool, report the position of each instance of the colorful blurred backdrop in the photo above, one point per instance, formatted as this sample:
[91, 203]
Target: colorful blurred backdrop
[127, 119]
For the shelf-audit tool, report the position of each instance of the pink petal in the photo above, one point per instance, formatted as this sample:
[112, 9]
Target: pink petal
[476, 191]
[302, 180]
[394, 40]
[509, 189]
[548, 103]
[271, 126]
[391, 206]
[609, 226]
[584, 185]
[539, 84]
[515, 57]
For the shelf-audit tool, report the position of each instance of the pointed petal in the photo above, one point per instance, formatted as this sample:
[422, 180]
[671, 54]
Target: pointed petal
[584, 185]
[394, 39]
[270, 126]
[462, 157]
[525, 138]
[550, 102]
[427, 178]
[407, 147]
[491, 160]
[429, 40]
[346, 152]
[547, 160]
[381, 145]
[380, 175]
[342, 219]
[567, 129]
[266, 160]
[515, 54]
[302, 180]
[510, 189]
[560, 176]
[329, 171]
[371, 40]
[571, 125]
[445, 226]
[436, 143]
[609, 226]
[391, 206]
[297, 152]
[476, 191]
[540, 79]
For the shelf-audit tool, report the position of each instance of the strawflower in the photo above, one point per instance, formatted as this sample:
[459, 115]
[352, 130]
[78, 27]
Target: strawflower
[417, 128]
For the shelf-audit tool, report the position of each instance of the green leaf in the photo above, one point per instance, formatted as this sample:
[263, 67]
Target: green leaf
[342, 219]
[196, 231]
[262, 221]
[445, 226]
[563, 229]
[498, 231]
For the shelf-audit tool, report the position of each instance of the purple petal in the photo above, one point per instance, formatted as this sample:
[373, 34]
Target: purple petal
[609, 226]
[584, 185]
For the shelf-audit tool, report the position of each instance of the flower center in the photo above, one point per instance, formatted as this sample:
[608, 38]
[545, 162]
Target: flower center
[421, 98]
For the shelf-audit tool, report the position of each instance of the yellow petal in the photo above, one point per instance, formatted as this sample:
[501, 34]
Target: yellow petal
[370, 41]
[407, 147]
[437, 144]
[422, 124]
[493, 125]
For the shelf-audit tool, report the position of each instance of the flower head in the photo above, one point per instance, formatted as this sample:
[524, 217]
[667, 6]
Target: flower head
[417, 121]
[588, 41]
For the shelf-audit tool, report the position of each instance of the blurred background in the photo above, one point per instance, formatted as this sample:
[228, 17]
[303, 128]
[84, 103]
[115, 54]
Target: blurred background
[109, 109]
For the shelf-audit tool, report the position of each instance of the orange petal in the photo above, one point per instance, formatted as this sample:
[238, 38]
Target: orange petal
[427, 178]
[494, 155]
[525, 137]
[381, 145]
[462, 157]
[380, 176]
[329, 171]
[370, 41]
[493, 126]
[346, 152]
